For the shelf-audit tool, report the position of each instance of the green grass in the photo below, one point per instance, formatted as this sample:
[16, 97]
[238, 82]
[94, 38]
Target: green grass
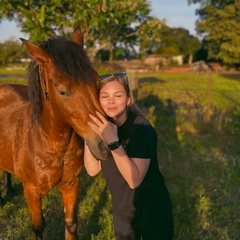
[199, 157]
[14, 69]
[13, 74]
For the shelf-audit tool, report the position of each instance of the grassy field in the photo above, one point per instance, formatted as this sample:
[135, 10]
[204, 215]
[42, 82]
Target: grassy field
[197, 119]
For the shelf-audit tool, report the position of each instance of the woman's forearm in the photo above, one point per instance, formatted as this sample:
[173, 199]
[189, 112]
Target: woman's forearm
[133, 170]
[93, 166]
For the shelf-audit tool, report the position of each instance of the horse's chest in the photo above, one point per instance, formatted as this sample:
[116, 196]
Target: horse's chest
[61, 159]
[55, 167]
[51, 161]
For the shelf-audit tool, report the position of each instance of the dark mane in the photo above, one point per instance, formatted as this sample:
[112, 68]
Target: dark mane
[70, 58]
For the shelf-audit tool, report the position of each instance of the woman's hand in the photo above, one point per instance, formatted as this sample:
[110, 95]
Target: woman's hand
[132, 169]
[104, 128]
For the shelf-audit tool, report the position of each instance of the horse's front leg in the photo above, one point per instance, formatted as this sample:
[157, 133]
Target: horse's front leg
[69, 197]
[34, 201]
[1, 201]
[7, 183]
[7, 186]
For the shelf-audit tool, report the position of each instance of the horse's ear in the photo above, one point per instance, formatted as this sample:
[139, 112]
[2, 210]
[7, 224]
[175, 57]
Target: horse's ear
[37, 53]
[77, 36]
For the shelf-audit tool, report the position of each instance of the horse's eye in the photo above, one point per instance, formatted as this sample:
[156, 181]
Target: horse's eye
[65, 94]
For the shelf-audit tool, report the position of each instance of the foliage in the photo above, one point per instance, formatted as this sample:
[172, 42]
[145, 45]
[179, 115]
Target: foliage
[218, 24]
[10, 50]
[175, 41]
[173, 63]
[199, 159]
[104, 23]
[150, 36]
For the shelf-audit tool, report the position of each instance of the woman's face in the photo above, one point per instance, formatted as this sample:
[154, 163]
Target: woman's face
[114, 100]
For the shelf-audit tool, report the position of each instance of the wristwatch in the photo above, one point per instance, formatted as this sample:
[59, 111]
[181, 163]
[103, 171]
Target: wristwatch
[114, 145]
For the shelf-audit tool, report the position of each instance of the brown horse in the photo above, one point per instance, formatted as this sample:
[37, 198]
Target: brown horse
[41, 125]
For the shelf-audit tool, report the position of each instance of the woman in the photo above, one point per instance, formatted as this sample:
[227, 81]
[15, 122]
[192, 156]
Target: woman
[141, 202]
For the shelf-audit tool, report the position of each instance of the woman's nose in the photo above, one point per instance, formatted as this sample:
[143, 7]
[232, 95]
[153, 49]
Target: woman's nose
[111, 100]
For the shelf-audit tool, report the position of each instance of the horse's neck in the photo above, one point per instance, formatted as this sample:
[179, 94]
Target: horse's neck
[54, 127]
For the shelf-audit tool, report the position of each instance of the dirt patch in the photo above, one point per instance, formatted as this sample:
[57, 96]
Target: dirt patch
[177, 70]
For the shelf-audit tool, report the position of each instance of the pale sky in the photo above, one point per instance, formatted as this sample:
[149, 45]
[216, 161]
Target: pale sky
[176, 12]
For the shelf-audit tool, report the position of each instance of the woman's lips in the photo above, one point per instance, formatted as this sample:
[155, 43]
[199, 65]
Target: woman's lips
[111, 108]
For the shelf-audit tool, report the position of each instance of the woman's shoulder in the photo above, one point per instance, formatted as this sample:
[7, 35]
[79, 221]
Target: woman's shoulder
[140, 119]
[141, 124]
[136, 124]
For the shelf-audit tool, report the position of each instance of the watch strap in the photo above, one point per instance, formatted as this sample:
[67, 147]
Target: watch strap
[114, 145]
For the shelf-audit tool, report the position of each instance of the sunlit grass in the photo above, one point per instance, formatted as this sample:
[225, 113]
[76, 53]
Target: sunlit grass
[199, 158]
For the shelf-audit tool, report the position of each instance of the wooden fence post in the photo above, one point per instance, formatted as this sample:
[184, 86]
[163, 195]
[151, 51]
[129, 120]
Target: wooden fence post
[208, 117]
[133, 83]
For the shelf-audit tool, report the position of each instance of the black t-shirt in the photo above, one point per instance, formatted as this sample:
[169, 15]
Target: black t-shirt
[148, 205]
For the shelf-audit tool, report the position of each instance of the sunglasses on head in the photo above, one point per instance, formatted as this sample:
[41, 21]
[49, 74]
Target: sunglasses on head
[119, 74]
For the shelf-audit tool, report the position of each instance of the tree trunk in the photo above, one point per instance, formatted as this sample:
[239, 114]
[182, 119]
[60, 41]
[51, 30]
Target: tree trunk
[190, 58]
[110, 55]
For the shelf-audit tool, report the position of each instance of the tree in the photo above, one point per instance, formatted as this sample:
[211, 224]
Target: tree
[188, 44]
[150, 35]
[219, 23]
[10, 50]
[39, 19]
[176, 41]
[104, 23]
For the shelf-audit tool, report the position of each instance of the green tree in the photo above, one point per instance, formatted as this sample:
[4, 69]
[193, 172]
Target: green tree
[188, 44]
[39, 19]
[176, 41]
[10, 50]
[219, 23]
[150, 35]
[104, 23]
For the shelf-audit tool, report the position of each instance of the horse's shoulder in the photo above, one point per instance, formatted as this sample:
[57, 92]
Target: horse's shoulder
[13, 93]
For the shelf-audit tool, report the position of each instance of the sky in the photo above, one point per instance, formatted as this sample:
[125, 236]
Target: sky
[176, 12]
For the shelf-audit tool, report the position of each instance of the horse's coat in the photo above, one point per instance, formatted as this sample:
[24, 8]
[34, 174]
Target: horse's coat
[41, 125]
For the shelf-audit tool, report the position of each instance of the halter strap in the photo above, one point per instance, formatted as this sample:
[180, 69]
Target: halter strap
[44, 84]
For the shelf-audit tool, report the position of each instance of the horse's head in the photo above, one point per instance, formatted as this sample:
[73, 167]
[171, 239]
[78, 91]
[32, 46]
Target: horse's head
[63, 89]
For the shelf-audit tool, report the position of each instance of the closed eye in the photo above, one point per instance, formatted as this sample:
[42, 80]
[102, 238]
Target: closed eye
[63, 93]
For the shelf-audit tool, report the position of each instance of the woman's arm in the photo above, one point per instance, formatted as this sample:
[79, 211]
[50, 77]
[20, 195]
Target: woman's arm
[132, 169]
[93, 166]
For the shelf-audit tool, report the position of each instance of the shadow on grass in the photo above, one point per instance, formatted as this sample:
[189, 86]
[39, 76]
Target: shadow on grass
[235, 77]
[201, 171]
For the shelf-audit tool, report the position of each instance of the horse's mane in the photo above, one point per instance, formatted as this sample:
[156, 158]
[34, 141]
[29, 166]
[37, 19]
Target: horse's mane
[71, 60]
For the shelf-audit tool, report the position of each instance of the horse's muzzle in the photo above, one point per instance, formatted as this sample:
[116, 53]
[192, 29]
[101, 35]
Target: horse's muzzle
[99, 149]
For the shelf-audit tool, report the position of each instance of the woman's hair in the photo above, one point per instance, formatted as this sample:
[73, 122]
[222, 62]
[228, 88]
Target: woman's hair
[132, 107]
